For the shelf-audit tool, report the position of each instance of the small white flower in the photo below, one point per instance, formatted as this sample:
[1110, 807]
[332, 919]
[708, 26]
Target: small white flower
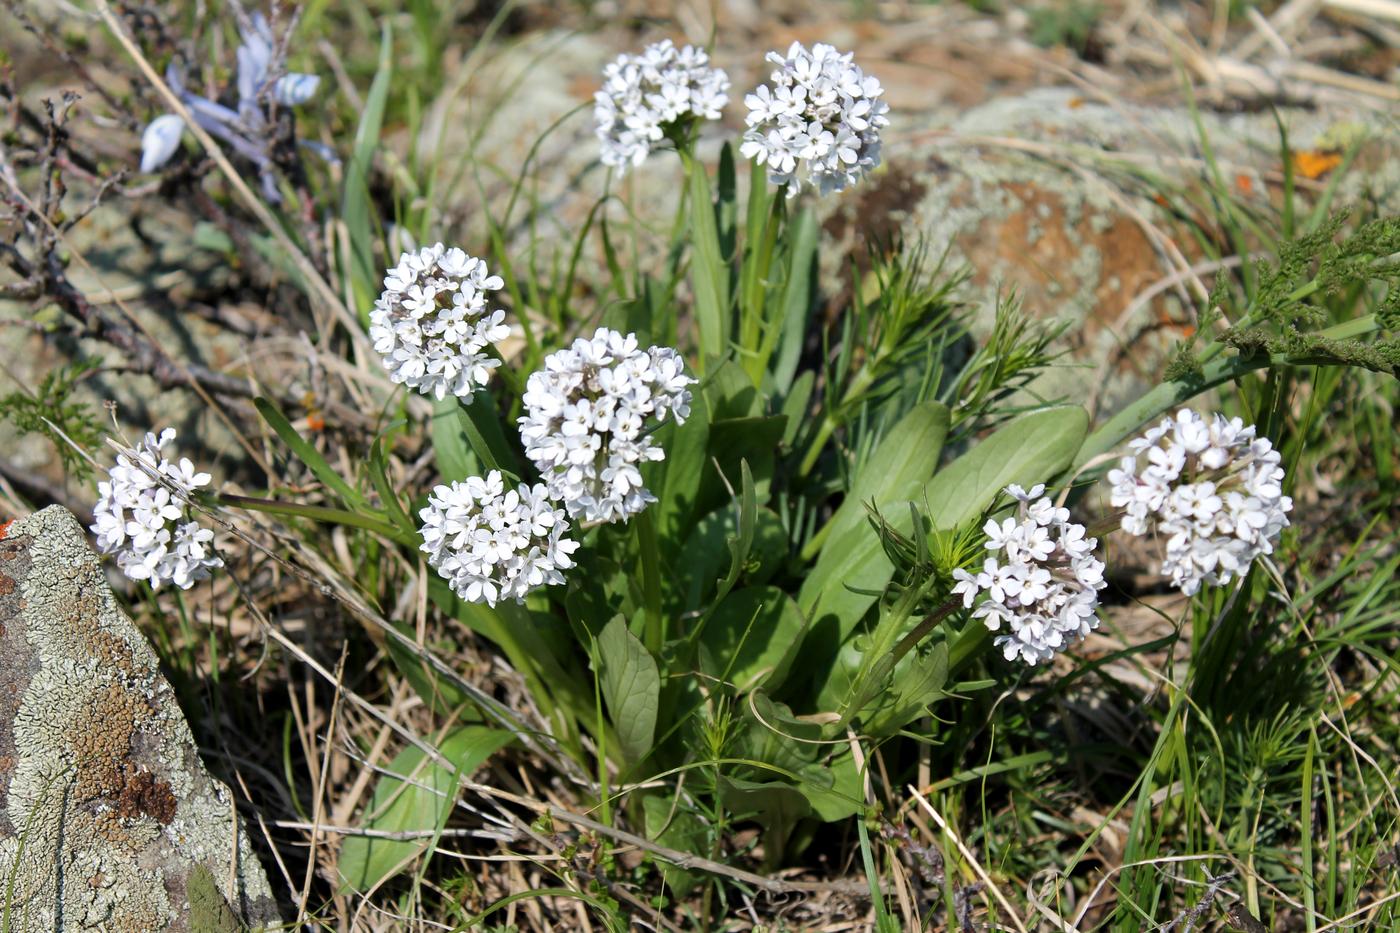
[644, 96]
[585, 421]
[492, 544]
[1045, 585]
[1210, 489]
[822, 114]
[137, 517]
[160, 140]
[432, 325]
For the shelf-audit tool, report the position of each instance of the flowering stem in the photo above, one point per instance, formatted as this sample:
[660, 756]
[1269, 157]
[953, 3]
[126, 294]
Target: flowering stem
[319, 513]
[1168, 395]
[647, 550]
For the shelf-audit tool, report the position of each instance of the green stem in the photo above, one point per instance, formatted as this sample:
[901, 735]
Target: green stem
[1170, 394]
[319, 513]
[647, 552]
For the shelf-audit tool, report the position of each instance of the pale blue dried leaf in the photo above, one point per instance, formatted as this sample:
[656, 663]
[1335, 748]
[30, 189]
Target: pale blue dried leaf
[160, 140]
[294, 89]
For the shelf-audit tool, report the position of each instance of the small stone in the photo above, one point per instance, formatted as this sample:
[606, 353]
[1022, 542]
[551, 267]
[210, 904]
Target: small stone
[102, 781]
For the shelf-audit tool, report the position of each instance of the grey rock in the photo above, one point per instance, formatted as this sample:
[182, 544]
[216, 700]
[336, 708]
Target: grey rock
[108, 818]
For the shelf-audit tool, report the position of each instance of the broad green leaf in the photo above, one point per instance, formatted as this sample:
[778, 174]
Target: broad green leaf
[481, 423]
[1030, 449]
[674, 825]
[740, 543]
[751, 638]
[904, 459]
[775, 805]
[451, 449]
[415, 794]
[705, 553]
[918, 680]
[795, 404]
[845, 581]
[771, 734]
[709, 271]
[680, 476]
[309, 455]
[631, 688]
[833, 788]
[798, 293]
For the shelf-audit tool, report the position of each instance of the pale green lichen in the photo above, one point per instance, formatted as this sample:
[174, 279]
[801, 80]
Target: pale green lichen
[111, 806]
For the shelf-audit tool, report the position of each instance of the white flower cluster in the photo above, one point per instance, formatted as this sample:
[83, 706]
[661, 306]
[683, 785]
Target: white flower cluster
[585, 422]
[645, 95]
[432, 325]
[1211, 488]
[138, 517]
[491, 544]
[822, 112]
[1045, 585]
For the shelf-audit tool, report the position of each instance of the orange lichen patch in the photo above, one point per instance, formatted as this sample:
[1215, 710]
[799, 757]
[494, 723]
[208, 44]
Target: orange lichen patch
[1075, 103]
[5, 529]
[315, 423]
[1313, 163]
[1244, 183]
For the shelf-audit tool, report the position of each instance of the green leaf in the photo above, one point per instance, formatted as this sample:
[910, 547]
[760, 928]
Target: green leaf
[741, 542]
[355, 208]
[680, 476]
[631, 688]
[709, 271]
[705, 553]
[675, 826]
[451, 449]
[833, 788]
[903, 461]
[481, 423]
[414, 794]
[774, 805]
[379, 475]
[798, 293]
[1030, 449]
[751, 638]
[309, 455]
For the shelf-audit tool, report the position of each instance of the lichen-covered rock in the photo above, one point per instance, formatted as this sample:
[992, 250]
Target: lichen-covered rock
[106, 812]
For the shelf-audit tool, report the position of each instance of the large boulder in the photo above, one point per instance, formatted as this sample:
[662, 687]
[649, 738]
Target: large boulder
[108, 818]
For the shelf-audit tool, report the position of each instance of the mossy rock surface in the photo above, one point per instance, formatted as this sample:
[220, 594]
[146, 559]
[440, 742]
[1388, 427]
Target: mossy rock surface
[108, 818]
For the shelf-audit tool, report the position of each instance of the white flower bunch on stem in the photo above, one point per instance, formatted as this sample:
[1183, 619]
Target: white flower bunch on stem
[490, 543]
[586, 417]
[1212, 489]
[822, 114]
[648, 96]
[1043, 582]
[432, 324]
[138, 517]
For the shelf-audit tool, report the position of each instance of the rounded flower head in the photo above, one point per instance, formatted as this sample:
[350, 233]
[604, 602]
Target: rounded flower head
[821, 118]
[432, 324]
[1212, 489]
[644, 96]
[585, 423]
[138, 517]
[1043, 581]
[491, 544]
